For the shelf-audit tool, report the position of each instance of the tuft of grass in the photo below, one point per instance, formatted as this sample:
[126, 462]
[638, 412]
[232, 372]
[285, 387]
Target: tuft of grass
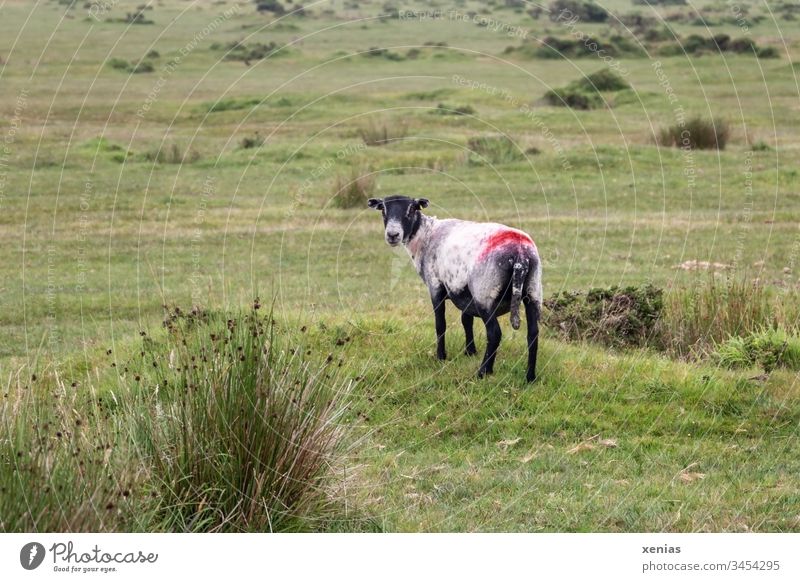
[243, 428]
[696, 133]
[252, 141]
[172, 154]
[494, 149]
[378, 133]
[232, 104]
[699, 318]
[769, 348]
[62, 467]
[353, 190]
[444, 109]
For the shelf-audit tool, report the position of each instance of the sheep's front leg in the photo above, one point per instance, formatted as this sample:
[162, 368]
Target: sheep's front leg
[493, 337]
[438, 298]
[466, 321]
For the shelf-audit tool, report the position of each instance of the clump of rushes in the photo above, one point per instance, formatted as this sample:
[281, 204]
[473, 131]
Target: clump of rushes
[696, 133]
[354, 189]
[239, 429]
[63, 465]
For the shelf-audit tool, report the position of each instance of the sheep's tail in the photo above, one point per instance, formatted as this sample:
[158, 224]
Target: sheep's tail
[521, 266]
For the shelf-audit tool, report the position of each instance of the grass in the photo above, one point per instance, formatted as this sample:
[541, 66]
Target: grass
[218, 425]
[98, 237]
[696, 133]
[354, 189]
[378, 133]
[493, 149]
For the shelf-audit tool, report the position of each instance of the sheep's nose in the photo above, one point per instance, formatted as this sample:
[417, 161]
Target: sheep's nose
[392, 238]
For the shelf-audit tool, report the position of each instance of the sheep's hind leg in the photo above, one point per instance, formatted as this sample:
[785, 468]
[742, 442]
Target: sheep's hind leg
[438, 298]
[493, 337]
[466, 321]
[532, 320]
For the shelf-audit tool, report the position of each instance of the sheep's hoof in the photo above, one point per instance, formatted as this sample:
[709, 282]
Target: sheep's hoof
[482, 373]
[470, 351]
[441, 357]
[530, 378]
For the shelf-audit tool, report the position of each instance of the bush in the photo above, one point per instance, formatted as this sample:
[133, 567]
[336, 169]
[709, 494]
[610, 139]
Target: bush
[614, 316]
[574, 98]
[660, 2]
[129, 67]
[585, 10]
[270, 6]
[553, 47]
[696, 133]
[603, 80]
[378, 133]
[354, 190]
[494, 149]
[239, 51]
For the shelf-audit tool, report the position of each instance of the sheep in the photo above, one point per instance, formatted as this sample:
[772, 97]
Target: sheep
[484, 269]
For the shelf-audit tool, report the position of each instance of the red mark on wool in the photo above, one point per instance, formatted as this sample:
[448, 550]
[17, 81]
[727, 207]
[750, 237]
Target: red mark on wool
[503, 238]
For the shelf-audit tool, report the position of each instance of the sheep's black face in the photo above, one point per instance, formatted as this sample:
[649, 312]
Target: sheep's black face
[401, 216]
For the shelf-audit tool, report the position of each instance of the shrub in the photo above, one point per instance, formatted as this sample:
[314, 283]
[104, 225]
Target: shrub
[494, 149]
[252, 141]
[603, 80]
[239, 51]
[153, 54]
[614, 316]
[353, 190]
[270, 6]
[574, 98]
[660, 2]
[129, 67]
[585, 10]
[696, 133]
[384, 54]
[378, 133]
[119, 64]
[553, 47]
[760, 146]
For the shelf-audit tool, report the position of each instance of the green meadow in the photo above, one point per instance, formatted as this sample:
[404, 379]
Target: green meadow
[193, 156]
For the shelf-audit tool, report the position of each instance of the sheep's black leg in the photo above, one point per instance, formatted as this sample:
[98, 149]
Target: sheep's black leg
[438, 298]
[532, 320]
[493, 337]
[466, 321]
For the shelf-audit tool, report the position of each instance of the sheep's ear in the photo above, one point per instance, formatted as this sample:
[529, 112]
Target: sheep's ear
[375, 203]
[422, 202]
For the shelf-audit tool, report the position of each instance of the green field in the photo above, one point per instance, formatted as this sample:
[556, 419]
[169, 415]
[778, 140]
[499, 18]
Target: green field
[122, 192]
